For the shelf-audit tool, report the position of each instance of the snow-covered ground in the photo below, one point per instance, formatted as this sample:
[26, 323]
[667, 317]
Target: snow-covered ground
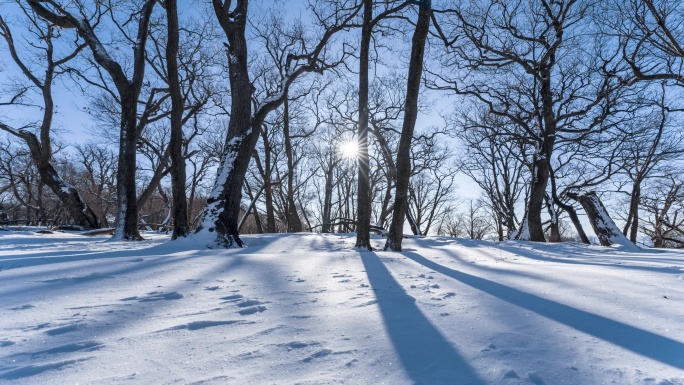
[310, 309]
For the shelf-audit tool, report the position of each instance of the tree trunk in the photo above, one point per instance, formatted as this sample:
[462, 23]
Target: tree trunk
[403, 163]
[634, 211]
[604, 227]
[412, 223]
[181, 228]
[327, 199]
[268, 191]
[554, 229]
[126, 225]
[535, 204]
[568, 209]
[220, 218]
[363, 208]
[294, 223]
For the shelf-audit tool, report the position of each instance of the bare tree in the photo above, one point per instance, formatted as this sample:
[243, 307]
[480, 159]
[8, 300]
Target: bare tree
[650, 145]
[221, 214]
[128, 90]
[649, 39]
[497, 164]
[471, 223]
[40, 147]
[415, 70]
[530, 63]
[663, 202]
[364, 198]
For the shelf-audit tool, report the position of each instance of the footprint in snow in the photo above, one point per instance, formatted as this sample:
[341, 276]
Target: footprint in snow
[212, 288]
[491, 347]
[23, 307]
[250, 302]
[84, 278]
[85, 346]
[155, 296]
[63, 330]
[369, 303]
[232, 298]
[32, 370]
[252, 310]
[318, 354]
[38, 327]
[6, 343]
[198, 325]
[298, 345]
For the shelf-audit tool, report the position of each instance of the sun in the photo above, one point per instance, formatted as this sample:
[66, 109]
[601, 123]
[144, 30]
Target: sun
[349, 149]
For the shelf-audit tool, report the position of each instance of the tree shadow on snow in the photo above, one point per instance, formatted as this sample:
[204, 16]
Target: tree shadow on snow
[425, 354]
[645, 343]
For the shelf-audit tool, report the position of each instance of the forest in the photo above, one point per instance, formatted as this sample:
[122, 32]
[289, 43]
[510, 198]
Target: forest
[539, 120]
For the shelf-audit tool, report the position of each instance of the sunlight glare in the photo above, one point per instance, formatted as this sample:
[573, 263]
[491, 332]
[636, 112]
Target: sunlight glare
[349, 149]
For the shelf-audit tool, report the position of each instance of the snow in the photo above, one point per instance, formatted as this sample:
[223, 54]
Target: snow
[605, 221]
[311, 309]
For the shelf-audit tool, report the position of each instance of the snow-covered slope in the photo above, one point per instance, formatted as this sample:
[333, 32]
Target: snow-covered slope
[309, 309]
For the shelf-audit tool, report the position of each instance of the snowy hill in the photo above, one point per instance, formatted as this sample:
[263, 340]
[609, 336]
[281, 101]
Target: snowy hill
[309, 309]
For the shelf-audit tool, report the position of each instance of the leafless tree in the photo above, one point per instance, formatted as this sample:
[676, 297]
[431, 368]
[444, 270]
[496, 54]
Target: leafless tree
[532, 64]
[221, 214]
[663, 202]
[496, 164]
[403, 163]
[74, 16]
[41, 62]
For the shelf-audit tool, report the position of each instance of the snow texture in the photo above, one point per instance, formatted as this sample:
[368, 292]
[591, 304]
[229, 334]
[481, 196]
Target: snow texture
[310, 309]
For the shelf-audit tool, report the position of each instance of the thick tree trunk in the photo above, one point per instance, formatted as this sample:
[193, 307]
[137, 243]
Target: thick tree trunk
[604, 227]
[535, 204]
[126, 225]
[363, 208]
[542, 160]
[220, 218]
[403, 162]
[181, 227]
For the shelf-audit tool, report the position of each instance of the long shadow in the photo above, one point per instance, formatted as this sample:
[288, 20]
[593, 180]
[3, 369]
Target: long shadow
[639, 341]
[540, 257]
[425, 354]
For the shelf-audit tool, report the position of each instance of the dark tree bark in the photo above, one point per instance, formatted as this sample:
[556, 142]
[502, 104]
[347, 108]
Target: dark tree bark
[568, 209]
[128, 90]
[181, 227]
[363, 214]
[403, 162]
[633, 217]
